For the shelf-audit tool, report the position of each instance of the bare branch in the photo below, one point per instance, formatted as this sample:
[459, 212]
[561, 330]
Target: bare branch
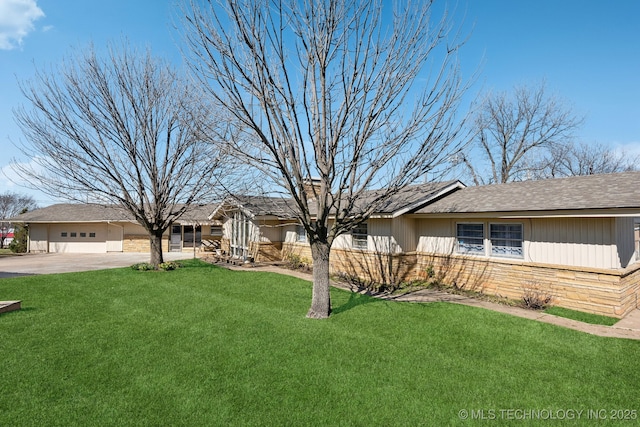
[354, 93]
[122, 128]
[510, 129]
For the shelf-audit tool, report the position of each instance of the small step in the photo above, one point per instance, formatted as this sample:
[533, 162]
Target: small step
[7, 306]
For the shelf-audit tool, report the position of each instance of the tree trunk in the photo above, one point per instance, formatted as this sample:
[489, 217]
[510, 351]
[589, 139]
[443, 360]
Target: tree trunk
[155, 241]
[321, 298]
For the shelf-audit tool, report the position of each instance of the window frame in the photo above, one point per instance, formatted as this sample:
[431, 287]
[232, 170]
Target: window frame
[241, 234]
[459, 245]
[508, 238]
[360, 239]
[301, 234]
[188, 239]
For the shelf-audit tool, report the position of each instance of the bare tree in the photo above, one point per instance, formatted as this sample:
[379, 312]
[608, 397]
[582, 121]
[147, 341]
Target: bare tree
[344, 91]
[584, 159]
[510, 129]
[11, 204]
[122, 128]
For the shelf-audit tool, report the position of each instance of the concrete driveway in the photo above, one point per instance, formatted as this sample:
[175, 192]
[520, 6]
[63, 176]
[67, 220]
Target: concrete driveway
[28, 264]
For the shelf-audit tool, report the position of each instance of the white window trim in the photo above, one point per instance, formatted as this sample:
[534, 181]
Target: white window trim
[484, 239]
[361, 242]
[490, 241]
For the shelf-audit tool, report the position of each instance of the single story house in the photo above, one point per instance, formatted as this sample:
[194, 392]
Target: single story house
[95, 228]
[575, 239]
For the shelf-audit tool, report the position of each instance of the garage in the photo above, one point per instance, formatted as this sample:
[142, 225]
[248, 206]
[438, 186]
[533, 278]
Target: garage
[78, 238]
[92, 228]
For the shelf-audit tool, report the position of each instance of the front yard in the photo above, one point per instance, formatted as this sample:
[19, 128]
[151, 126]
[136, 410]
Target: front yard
[205, 346]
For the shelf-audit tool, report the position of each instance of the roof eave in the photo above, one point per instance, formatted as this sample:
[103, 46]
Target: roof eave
[560, 213]
[417, 205]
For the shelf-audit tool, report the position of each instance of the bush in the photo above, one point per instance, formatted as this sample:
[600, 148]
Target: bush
[143, 266]
[534, 297]
[19, 243]
[169, 265]
[296, 262]
[165, 266]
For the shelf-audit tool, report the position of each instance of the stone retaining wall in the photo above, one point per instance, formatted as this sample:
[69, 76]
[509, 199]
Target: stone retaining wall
[608, 292]
[600, 291]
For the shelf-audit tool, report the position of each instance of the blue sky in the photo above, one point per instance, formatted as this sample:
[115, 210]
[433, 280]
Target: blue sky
[587, 51]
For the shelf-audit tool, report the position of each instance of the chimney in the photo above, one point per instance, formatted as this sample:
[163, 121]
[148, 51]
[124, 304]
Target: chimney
[311, 184]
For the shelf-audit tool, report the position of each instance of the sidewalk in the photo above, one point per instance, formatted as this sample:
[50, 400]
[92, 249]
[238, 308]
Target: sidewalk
[628, 327]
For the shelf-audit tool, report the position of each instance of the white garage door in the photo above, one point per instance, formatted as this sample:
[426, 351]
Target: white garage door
[78, 238]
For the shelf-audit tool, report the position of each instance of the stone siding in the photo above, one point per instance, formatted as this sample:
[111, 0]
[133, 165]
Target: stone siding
[266, 251]
[373, 266]
[136, 243]
[607, 292]
[301, 250]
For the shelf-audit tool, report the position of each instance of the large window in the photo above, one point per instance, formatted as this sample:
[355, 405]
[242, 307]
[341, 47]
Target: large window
[240, 230]
[359, 236]
[189, 239]
[506, 240]
[470, 238]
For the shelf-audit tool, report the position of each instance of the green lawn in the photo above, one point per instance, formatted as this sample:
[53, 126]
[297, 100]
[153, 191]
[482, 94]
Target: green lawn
[206, 346]
[581, 316]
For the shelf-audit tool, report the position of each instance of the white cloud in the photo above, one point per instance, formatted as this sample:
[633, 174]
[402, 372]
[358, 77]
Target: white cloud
[631, 148]
[16, 21]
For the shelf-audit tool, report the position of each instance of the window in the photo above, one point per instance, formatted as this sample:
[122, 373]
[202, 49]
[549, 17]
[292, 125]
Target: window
[92, 234]
[506, 240]
[73, 234]
[63, 234]
[188, 239]
[301, 234]
[359, 236]
[83, 234]
[240, 235]
[470, 238]
[216, 230]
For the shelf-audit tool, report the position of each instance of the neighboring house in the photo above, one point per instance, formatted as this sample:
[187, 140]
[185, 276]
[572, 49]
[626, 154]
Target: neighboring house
[6, 234]
[93, 228]
[572, 238]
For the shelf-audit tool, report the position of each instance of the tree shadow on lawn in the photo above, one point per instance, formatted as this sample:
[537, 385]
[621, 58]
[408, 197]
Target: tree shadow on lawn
[355, 300]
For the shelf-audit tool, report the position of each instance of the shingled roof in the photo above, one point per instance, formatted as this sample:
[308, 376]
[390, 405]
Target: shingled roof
[260, 206]
[90, 212]
[605, 191]
[412, 197]
[75, 212]
[408, 199]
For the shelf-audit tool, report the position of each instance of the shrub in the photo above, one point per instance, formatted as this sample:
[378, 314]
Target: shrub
[169, 265]
[142, 266]
[534, 297]
[19, 243]
[296, 262]
[165, 266]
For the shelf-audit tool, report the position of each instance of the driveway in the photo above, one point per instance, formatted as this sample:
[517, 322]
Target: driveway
[28, 264]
